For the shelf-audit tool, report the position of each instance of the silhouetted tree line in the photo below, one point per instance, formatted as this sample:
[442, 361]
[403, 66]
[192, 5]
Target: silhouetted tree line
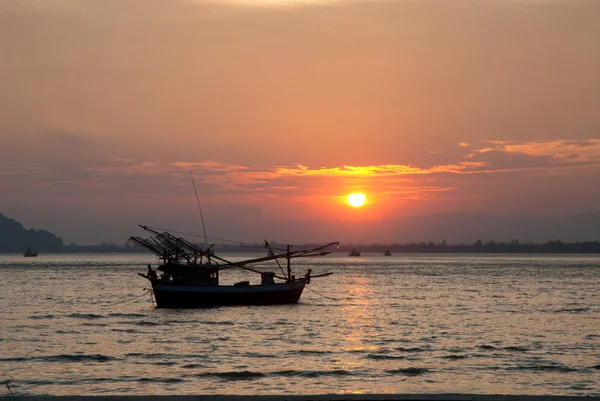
[104, 247]
[478, 246]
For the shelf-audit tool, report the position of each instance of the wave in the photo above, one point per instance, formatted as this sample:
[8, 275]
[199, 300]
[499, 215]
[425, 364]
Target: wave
[79, 381]
[211, 323]
[536, 367]
[249, 375]
[413, 349]
[14, 359]
[126, 315]
[194, 366]
[77, 358]
[408, 371]
[310, 352]
[67, 332]
[315, 373]
[382, 357]
[243, 375]
[259, 355]
[510, 348]
[572, 310]
[63, 358]
[454, 357]
[174, 322]
[36, 317]
[160, 355]
[516, 349]
[147, 323]
[161, 380]
[127, 331]
[85, 316]
[283, 323]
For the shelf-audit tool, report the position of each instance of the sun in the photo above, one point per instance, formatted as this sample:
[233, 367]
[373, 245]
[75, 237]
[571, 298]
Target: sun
[356, 199]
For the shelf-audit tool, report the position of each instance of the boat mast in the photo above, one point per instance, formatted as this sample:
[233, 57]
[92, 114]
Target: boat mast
[289, 266]
[200, 209]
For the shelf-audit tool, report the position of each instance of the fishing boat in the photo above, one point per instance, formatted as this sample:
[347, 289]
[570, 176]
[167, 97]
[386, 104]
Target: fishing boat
[387, 252]
[29, 253]
[189, 275]
[354, 252]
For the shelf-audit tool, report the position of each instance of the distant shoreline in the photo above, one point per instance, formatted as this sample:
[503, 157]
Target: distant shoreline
[364, 253]
[478, 247]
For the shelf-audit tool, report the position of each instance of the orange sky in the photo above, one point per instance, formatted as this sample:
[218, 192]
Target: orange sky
[282, 108]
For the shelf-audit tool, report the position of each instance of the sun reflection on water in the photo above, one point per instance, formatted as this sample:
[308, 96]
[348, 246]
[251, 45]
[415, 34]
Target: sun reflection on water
[359, 320]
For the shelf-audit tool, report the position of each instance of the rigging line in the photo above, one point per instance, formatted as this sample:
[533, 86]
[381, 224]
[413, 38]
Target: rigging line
[241, 243]
[324, 296]
[7, 384]
[11, 393]
[278, 264]
[10, 378]
[199, 208]
[19, 384]
[129, 300]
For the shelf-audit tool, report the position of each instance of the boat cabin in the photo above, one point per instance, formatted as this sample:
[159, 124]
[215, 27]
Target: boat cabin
[190, 274]
[267, 278]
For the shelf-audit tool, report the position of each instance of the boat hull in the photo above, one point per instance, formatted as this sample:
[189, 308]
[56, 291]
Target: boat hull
[187, 296]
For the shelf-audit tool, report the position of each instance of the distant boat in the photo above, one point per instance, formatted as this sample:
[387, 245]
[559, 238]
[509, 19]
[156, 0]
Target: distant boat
[29, 253]
[387, 253]
[354, 252]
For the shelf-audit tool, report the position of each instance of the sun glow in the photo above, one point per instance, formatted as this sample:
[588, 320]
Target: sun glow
[356, 199]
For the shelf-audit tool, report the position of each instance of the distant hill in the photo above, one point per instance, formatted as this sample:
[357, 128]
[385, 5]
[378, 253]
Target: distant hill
[14, 238]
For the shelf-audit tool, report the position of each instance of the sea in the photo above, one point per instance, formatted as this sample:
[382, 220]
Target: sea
[85, 324]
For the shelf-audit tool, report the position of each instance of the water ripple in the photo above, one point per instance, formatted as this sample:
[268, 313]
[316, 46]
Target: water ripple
[413, 323]
[408, 371]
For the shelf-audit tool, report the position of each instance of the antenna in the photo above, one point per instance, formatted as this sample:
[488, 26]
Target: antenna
[199, 208]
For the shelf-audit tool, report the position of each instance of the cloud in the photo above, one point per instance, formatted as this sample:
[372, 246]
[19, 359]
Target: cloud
[224, 179]
[558, 152]
[379, 171]
[561, 150]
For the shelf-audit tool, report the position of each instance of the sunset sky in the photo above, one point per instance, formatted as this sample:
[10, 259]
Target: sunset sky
[281, 108]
